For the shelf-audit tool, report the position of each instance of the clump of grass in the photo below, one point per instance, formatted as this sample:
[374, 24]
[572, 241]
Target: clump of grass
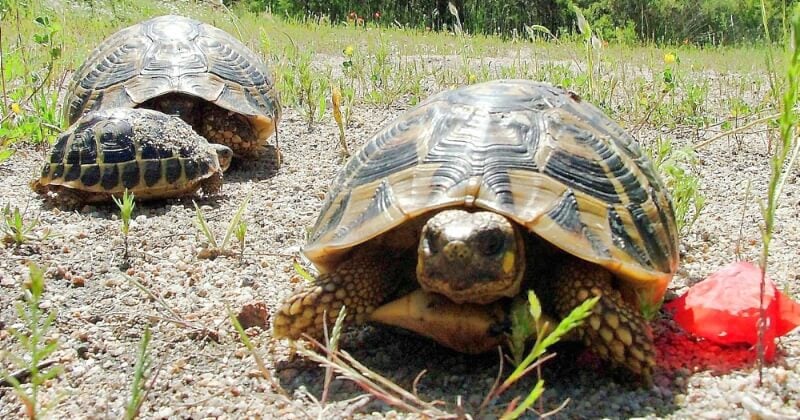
[138, 388]
[347, 367]
[28, 88]
[34, 365]
[301, 84]
[236, 227]
[126, 205]
[675, 164]
[17, 231]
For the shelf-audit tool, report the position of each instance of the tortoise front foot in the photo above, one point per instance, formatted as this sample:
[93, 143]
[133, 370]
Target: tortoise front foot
[358, 284]
[615, 330]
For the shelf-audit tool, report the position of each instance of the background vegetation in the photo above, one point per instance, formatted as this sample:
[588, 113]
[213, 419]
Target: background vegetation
[712, 22]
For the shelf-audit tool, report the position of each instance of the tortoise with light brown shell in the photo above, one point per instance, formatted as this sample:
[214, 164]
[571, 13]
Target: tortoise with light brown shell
[182, 67]
[149, 153]
[482, 192]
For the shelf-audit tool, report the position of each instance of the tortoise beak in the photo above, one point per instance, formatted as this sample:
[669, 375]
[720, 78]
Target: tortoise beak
[224, 154]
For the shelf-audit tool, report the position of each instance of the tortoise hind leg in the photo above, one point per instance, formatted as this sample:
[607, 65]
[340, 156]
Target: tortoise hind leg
[361, 284]
[233, 130]
[615, 330]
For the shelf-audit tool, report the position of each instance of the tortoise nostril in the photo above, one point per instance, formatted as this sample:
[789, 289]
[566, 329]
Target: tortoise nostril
[457, 251]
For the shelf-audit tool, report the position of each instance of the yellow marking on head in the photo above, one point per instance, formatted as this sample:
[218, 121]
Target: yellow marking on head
[508, 261]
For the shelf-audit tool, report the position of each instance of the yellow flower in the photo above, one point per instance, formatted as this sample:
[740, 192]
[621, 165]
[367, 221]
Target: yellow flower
[348, 51]
[15, 108]
[669, 58]
[472, 78]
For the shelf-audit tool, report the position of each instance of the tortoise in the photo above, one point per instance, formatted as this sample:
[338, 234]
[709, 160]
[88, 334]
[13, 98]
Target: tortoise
[182, 67]
[149, 153]
[450, 211]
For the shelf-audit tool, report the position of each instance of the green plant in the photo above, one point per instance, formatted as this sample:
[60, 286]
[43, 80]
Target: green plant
[236, 227]
[28, 88]
[781, 162]
[16, 230]
[37, 347]
[528, 322]
[126, 205]
[683, 184]
[241, 235]
[138, 389]
[592, 45]
[347, 367]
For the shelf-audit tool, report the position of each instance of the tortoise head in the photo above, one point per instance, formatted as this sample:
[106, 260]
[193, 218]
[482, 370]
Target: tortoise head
[224, 154]
[471, 257]
[176, 104]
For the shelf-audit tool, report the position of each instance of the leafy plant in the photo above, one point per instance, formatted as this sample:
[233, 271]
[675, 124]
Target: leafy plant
[17, 231]
[138, 389]
[28, 88]
[784, 156]
[33, 339]
[236, 227]
[592, 44]
[683, 185]
[126, 205]
[533, 324]
[241, 236]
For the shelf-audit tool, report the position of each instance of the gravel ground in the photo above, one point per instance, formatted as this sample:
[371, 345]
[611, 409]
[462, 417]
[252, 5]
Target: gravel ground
[101, 314]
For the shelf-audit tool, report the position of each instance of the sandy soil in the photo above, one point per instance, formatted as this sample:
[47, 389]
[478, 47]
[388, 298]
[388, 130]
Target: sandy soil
[101, 314]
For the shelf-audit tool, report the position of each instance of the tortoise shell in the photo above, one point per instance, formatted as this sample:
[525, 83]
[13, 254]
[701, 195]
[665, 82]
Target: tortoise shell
[175, 55]
[152, 154]
[532, 152]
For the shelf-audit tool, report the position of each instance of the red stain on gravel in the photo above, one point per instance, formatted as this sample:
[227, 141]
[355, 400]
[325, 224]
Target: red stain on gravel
[678, 350]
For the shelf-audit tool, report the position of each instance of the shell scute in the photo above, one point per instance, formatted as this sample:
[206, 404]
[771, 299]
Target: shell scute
[91, 175]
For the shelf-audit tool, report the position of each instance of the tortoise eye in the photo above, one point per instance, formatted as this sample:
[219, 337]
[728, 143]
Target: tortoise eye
[430, 240]
[492, 242]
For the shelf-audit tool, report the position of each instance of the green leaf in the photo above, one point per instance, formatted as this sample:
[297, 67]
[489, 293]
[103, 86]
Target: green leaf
[234, 223]
[302, 271]
[535, 306]
[522, 329]
[37, 281]
[537, 28]
[583, 25]
[5, 154]
[43, 20]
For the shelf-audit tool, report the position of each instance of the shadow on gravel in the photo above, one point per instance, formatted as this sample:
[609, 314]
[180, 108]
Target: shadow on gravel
[264, 167]
[593, 388]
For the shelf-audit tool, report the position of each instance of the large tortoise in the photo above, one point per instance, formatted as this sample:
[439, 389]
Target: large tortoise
[149, 153]
[479, 193]
[183, 67]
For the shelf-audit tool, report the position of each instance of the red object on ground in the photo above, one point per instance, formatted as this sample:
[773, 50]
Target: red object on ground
[724, 308]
